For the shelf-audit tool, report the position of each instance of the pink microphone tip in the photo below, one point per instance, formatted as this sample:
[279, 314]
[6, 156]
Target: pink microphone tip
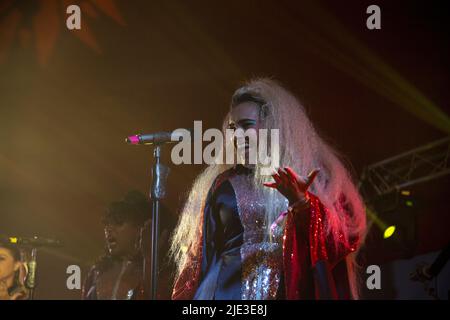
[133, 139]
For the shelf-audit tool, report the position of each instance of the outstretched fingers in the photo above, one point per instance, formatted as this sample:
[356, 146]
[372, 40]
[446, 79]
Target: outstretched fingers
[271, 185]
[311, 177]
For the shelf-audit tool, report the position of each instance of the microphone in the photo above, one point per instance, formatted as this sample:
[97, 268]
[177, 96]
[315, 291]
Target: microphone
[159, 137]
[32, 242]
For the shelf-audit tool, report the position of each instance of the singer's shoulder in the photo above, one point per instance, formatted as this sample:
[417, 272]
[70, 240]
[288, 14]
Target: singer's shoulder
[223, 177]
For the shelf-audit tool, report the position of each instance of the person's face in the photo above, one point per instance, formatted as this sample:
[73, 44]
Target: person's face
[245, 116]
[121, 239]
[8, 266]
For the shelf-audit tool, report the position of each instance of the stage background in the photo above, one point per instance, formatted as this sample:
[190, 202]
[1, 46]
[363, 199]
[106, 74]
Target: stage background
[68, 99]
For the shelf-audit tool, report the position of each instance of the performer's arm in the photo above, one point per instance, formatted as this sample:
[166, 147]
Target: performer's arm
[309, 249]
[307, 227]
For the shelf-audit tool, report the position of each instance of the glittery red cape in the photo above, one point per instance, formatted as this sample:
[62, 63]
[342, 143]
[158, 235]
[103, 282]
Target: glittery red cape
[305, 247]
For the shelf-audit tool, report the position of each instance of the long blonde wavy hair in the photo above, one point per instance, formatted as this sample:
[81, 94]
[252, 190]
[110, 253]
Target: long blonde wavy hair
[302, 149]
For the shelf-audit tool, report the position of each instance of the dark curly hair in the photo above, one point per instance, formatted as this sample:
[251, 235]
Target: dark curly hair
[12, 248]
[133, 208]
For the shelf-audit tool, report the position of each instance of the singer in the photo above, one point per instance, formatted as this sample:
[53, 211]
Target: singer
[12, 273]
[118, 274]
[121, 273]
[242, 235]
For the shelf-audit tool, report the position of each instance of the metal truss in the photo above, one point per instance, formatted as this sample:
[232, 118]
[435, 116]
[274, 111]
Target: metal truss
[407, 169]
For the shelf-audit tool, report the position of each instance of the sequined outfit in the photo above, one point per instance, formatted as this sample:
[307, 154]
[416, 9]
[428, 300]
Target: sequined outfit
[261, 257]
[234, 260]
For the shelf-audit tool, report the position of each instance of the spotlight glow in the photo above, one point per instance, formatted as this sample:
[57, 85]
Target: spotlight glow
[389, 232]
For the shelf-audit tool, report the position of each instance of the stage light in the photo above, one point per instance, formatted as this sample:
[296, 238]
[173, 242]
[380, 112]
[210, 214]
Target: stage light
[388, 232]
[12, 240]
[405, 193]
[409, 203]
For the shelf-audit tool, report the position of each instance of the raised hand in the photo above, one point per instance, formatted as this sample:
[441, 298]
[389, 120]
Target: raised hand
[291, 185]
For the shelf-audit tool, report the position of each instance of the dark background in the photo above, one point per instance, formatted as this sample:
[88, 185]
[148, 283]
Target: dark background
[69, 98]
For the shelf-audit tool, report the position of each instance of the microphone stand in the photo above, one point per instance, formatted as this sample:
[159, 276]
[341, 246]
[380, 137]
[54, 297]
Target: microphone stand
[31, 277]
[160, 172]
[28, 254]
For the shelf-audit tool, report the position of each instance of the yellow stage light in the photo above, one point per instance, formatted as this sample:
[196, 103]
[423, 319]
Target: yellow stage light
[389, 232]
